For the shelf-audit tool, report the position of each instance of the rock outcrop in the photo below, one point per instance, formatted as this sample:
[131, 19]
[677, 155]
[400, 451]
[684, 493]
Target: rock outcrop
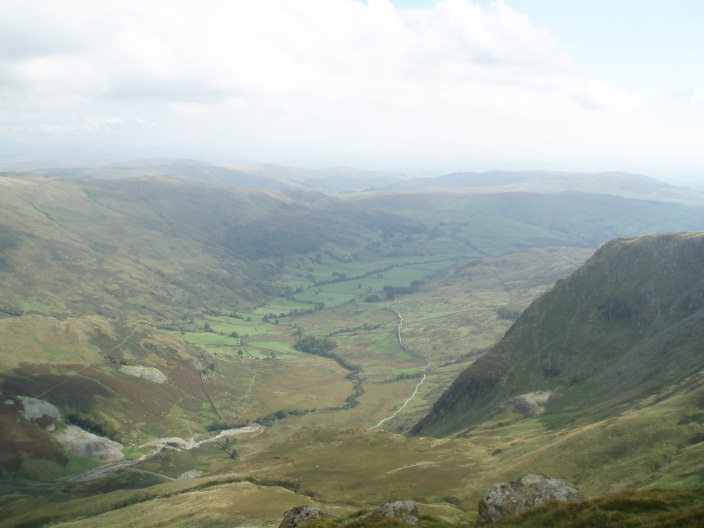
[148, 373]
[35, 409]
[300, 515]
[84, 444]
[402, 511]
[405, 512]
[531, 404]
[503, 500]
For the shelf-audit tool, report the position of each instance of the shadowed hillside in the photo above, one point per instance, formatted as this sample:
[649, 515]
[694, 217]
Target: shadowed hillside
[161, 245]
[622, 327]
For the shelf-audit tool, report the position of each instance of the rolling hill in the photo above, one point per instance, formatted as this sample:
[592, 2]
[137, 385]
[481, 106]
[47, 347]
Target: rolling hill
[492, 224]
[163, 246]
[621, 184]
[252, 176]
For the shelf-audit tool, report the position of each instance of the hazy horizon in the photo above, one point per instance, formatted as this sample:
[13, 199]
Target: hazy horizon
[413, 86]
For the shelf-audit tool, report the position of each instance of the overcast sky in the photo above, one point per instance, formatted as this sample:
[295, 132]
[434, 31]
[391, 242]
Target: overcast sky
[393, 85]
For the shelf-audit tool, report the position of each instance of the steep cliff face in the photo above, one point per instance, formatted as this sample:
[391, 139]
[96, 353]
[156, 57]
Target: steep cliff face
[622, 327]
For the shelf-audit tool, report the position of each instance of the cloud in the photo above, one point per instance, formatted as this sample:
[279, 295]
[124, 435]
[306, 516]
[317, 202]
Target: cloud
[100, 122]
[310, 75]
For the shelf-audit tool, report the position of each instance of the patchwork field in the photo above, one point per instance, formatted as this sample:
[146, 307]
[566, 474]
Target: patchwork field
[231, 369]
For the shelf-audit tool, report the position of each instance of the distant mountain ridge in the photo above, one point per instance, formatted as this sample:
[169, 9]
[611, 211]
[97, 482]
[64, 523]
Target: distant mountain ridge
[612, 183]
[332, 180]
[189, 169]
[340, 180]
[622, 327]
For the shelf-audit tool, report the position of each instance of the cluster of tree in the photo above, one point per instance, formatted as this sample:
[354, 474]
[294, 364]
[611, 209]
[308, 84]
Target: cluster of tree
[318, 305]
[365, 326]
[392, 291]
[351, 400]
[407, 375]
[224, 425]
[115, 360]
[227, 446]
[324, 346]
[235, 315]
[92, 424]
[271, 419]
[341, 277]
[294, 313]
[320, 346]
[206, 360]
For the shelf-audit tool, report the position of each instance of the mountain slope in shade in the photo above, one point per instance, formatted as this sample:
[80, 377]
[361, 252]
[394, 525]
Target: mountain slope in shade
[160, 245]
[624, 326]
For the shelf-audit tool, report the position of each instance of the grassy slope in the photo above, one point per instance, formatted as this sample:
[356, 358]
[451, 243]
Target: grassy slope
[76, 365]
[83, 355]
[532, 219]
[159, 247]
[400, 254]
[654, 508]
[653, 445]
[620, 328]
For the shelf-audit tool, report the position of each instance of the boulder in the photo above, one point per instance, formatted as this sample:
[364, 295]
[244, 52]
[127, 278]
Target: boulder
[35, 409]
[300, 515]
[405, 512]
[87, 445]
[503, 500]
[148, 373]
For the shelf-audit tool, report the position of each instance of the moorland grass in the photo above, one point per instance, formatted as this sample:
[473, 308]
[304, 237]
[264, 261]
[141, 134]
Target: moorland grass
[651, 508]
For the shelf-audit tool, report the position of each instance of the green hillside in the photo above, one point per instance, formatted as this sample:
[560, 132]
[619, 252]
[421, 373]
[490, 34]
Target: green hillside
[621, 328]
[272, 344]
[160, 247]
[491, 223]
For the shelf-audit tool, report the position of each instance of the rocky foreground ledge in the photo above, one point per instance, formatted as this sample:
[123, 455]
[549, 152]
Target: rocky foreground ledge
[405, 512]
[502, 500]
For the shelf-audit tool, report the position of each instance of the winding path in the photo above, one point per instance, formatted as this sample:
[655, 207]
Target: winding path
[415, 354]
[251, 385]
[158, 445]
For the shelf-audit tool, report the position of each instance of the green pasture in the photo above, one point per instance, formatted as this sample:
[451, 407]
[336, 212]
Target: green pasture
[278, 346]
[209, 338]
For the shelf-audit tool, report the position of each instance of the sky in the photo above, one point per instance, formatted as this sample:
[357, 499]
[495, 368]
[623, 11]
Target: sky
[403, 85]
